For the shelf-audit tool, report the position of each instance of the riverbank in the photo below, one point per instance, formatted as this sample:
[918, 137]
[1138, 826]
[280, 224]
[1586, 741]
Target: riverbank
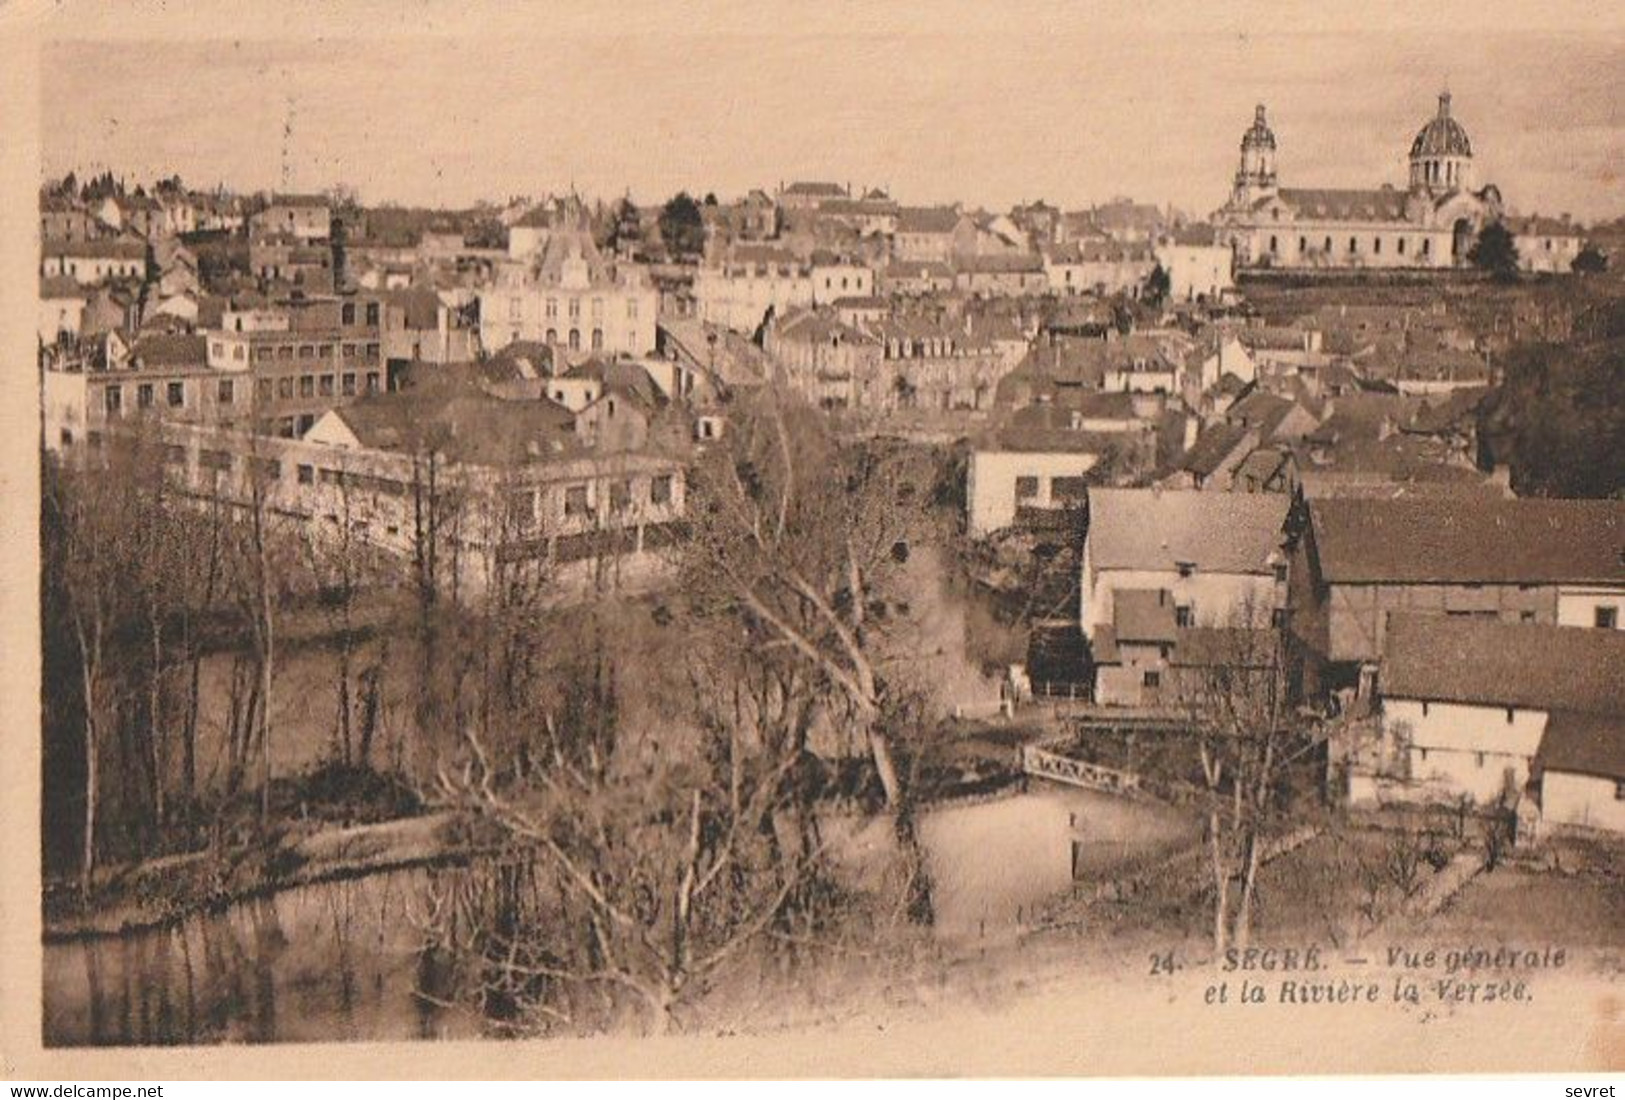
[163, 891]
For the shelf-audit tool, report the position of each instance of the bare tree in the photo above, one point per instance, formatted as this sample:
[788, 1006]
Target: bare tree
[801, 537]
[1246, 735]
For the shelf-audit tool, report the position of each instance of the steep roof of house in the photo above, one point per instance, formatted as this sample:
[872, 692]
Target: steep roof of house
[815, 187]
[1583, 744]
[1213, 446]
[170, 349]
[1157, 529]
[1488, 662]
[1462, 540]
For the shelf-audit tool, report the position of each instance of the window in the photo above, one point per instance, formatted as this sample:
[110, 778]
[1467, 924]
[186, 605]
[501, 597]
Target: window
[1376, 246]
[284, 388]
[597, 309]
[575, 339]
[307, 421]
[372, 351]
[325, 385]
[325, 351]
[307, 351]
[307, 385]
[575, 501]
[347, 314]
[1510, 715]
[114, 399]
[264, 354]
[1303, 244]
[1424, 708]
[285, 351]
[1280, 572]
[1328, 244]
[1026, 488]
[1526, 616]
[598, 341]
[143, 396]
[372, 313]
[372, 381]
[631, 309]
[284, 427]
[307, 474]
[1278, 618]
[552, 336]
[620, 495]
[660, 489]
[262, 389]
[66, 435]
[1152, 678]
[575, 309]
[1478, 760]
[1606, 618]
[1186, 568]
[1619, 790]
[1354, 244]
[349, 351]
[348, 383]
[521, 510]
[1401, 246]
[1185, 616]
[237, 352]
[1274, 245]
[225, 391]
[1427, 246]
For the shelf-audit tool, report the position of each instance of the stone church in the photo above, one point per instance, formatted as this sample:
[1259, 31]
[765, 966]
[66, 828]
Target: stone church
[1431, 224]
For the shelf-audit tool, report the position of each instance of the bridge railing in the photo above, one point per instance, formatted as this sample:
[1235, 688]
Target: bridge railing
[1064, 769]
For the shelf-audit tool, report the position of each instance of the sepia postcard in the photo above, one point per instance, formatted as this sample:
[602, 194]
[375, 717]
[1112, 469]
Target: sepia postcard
[742, 540]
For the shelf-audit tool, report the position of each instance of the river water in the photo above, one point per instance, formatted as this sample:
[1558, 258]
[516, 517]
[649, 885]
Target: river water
[341, 960]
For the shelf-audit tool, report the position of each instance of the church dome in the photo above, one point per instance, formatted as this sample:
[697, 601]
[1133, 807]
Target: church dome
[1442, 136]
[1259, 135]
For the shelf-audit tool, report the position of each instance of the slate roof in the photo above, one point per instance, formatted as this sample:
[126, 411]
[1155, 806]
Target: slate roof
[1156, 529]
[1460, 540]
[1488, 662]
[1340, 205]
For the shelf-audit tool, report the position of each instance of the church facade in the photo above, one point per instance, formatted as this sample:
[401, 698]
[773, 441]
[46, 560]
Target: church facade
[1432, 223]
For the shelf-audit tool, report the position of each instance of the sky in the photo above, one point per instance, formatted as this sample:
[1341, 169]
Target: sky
[988, 104]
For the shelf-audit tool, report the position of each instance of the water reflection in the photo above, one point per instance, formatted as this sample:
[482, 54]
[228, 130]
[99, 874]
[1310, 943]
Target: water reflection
[348, 960]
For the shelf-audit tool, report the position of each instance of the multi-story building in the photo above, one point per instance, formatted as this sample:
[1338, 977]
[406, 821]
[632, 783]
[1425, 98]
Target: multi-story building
[1431, 224]
[569, 295]
[1541, 562]
[96, 260]
[306, 217]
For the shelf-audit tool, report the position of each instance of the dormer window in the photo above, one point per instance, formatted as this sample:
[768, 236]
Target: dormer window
[1186, 568]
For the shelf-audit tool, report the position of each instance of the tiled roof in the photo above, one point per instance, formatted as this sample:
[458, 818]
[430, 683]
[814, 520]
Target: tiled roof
[815, 187]
[1156, 529]
[1583, 744]
[466, 426]
[1143, 615]
[1213, 447]
[113, 248]
[1445, 658]
[60, 286]
[927, 219]
[170, 350]
[1470, 541]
